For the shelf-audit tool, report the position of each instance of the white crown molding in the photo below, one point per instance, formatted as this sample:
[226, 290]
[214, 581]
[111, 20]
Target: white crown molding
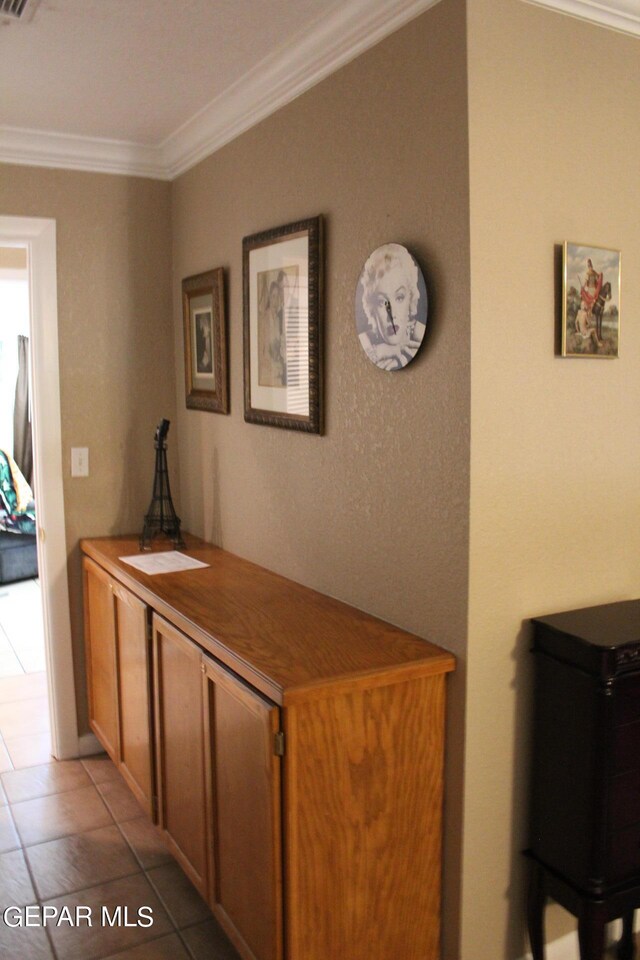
[275, 81]
[620, 15]
[35, 148]
[340, 37]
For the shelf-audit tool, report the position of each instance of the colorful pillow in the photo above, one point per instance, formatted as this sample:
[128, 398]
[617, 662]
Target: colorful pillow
[17, 509]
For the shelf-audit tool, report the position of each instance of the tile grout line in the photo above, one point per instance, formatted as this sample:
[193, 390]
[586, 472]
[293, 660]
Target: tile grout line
[120, 953]
[177, 929]
[77, 833]
[145, 872]
[2, 743]
[15, 652]
[40, 641]
[41, 796]
[11, 596]
[41, 900]
[48, 796]
[15, 830]
[11, 741]
[32, 878]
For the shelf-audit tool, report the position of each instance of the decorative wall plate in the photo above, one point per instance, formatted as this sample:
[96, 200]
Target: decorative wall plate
[391, 307]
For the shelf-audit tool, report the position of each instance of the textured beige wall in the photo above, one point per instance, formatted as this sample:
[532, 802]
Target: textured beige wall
[117, 378]
[375, 511]
[555, 449]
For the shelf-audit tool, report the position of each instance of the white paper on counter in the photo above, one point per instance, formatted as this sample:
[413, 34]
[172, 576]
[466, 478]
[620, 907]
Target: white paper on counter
[169, 561]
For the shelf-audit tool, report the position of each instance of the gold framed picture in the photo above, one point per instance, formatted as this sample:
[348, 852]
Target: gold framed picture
[590, 301]
[205, 342]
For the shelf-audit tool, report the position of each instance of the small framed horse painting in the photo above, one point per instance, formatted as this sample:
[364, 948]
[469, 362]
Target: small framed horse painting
[590, 301]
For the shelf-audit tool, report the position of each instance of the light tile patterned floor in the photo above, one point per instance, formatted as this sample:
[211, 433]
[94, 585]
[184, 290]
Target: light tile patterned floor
[25, 738]
[71, 832]
[68, 837]
[21, 629]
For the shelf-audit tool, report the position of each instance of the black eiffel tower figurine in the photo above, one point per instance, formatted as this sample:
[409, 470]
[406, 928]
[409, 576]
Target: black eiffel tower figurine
[161, 516]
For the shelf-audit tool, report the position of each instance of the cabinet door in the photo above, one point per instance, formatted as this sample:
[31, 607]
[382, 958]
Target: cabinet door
[243, 779]
[179, 734]
[133, 667]
[100, 648]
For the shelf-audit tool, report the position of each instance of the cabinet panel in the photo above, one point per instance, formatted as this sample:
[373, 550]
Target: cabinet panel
[624, 799]
[623, 862]
[133, 662]
[626, 702]
[100, 640]
[626, 755]
[245, 807]
[363, 782]
[180, 750]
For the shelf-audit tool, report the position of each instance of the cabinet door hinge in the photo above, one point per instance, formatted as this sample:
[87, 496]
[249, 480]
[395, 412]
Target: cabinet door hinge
[278, 744]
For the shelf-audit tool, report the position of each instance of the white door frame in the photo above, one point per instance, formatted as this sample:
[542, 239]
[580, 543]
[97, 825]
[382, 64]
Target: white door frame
[39, 236]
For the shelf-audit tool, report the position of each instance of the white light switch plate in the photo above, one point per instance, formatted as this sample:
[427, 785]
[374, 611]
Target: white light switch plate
[79, 461]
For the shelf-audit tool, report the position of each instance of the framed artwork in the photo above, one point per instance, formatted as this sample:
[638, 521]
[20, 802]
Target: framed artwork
[590, 301]
[282, 285]
[391, 307]
[205, 342]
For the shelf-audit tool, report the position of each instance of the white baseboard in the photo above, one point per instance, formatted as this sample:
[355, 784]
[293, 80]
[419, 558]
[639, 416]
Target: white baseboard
[88, 744]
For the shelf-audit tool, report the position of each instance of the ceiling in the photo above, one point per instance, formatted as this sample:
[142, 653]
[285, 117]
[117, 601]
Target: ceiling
[150, 87]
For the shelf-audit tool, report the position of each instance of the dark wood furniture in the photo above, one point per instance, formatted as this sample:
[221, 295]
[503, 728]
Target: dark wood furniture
[585, 809]
[288, 747]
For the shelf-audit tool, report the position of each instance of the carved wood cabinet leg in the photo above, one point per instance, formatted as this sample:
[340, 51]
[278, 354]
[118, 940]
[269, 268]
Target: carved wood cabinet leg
[625, 949]
[535, 911]
[591, 927]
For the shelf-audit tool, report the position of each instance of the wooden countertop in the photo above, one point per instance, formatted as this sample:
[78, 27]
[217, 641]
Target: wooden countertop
[291, 642]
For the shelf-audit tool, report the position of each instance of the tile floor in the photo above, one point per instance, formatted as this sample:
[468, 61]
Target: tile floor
[72, 834]
[21, 631]
[24, 710]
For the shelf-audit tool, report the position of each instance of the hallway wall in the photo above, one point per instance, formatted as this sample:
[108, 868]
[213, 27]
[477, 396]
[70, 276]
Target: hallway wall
[555, 443]
[117, 378]
[376, 511]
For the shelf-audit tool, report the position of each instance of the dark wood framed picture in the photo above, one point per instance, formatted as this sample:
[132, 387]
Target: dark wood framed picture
[205, 342]
[282, 285]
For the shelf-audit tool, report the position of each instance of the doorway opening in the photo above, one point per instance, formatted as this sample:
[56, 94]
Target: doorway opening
[25, 737]
[54, 687]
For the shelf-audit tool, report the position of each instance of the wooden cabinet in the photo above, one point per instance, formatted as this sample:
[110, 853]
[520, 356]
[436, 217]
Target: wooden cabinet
[585, 810]
[244, 799]
[100, 646]
[299, 754]
[134, 701]
[118, 677]
[182, 815]
[363, 821]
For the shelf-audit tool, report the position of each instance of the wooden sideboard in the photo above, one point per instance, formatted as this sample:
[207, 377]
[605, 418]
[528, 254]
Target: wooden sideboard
[288, 747]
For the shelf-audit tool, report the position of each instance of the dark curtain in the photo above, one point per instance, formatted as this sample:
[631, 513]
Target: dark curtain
[22, 444]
